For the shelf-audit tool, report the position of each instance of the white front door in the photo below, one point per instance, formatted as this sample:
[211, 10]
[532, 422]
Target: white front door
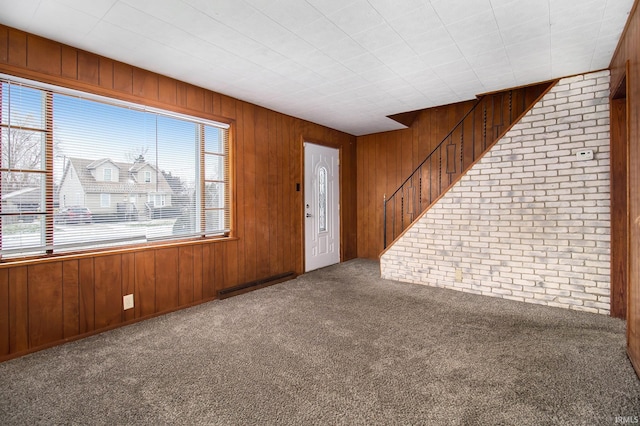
[321, 206]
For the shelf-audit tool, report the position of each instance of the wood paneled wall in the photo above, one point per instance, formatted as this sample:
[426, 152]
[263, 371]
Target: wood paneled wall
[46, 302]
[626, 62]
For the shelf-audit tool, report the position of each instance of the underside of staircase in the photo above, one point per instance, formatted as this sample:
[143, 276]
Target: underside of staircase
[489, 118]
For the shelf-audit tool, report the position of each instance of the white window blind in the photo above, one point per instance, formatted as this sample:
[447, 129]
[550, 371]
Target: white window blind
[134, 174]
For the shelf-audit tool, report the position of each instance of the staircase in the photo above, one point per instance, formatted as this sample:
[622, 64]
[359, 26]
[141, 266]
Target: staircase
[482, 126]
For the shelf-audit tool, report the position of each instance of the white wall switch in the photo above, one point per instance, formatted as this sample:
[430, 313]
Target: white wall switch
[586, 154]
[127, 301]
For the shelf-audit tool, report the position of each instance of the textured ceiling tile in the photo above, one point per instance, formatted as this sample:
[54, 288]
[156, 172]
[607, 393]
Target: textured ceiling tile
[521, 11]
[96, 8]
[322, 32]
[294, 15]
[63, 16]
[473, 27]
[341, 63]
[523, 31]
[356, 17]
[456, 10]
[478, 45]
[392, 9]
[417, 22]
[377, 37]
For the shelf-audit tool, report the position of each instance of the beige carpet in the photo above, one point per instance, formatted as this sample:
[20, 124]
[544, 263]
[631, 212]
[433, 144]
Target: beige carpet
[336, 346]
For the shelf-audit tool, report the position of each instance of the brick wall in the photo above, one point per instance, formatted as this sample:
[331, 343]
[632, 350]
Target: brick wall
[529, 221]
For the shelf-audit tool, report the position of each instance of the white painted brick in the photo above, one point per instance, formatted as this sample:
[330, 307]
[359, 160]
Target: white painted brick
[581, 97]
[528, 222]
[569, 80]
[583, 110]
[597, 75]
[568, 106]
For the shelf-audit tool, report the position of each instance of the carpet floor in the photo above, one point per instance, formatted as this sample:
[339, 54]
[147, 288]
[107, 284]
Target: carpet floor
[336, 346]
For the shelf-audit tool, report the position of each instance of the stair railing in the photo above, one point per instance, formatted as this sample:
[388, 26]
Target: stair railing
[458, 149]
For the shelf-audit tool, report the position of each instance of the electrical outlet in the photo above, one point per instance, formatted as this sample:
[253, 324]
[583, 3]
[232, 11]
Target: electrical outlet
[127, 301]
[459, 275]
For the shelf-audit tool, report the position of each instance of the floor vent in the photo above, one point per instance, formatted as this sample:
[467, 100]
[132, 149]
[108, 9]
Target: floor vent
[252, 285]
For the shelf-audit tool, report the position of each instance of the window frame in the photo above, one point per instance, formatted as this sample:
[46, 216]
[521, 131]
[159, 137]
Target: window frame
[200, 118]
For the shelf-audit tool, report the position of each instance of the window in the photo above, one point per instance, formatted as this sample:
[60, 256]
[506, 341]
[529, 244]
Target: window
[322, 199]
[156, 200]
[54, 142]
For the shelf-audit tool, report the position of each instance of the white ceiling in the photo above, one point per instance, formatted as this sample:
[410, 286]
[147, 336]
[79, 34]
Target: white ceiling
[346, 64]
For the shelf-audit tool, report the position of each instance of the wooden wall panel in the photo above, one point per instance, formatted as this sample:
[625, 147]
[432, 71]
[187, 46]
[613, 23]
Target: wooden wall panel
[181, 94]
[4, 311]
[88, 68]
[18, 310]
[44, 56]
[17, 48]
[45, 303]
[240, 185]
[248, 182]
[167, 92]
[122, 77]
[145, 84]
[198, 273]
[218, 268]
[290, 197]
[267, 226]
[128, 263]
[297, 200]
[69, 63]
[229, 266]
[208, 272]
[185, 275]
[271, 196]
[262, 203]
[167, 281]
[108, 290]
[86, 305]
[145, 272]
[195, 98]
[70, 298]
[227, 107]
[4, 44]
[211, 104]
[105, 73]
[626, 61]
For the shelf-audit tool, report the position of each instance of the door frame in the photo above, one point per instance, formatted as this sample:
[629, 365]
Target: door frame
[302, 212]
[620, 226]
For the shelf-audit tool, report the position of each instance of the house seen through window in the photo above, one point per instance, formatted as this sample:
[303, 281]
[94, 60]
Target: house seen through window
[80, 171]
